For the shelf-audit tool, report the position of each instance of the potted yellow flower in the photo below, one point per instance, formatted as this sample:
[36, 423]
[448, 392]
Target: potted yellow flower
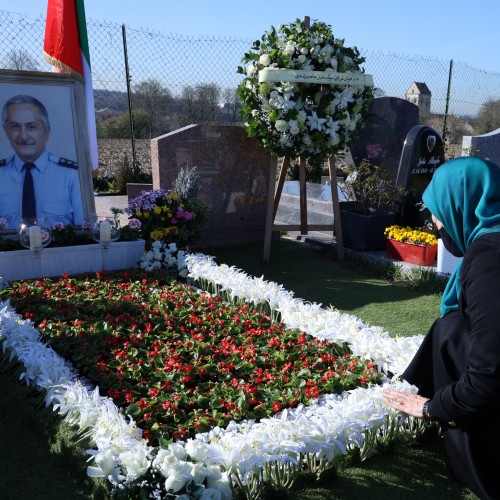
[416, 246]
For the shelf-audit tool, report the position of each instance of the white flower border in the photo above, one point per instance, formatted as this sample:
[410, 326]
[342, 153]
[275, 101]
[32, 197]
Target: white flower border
[326, 428]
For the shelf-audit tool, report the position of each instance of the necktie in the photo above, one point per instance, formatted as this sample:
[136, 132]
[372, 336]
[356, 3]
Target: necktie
[29, 210]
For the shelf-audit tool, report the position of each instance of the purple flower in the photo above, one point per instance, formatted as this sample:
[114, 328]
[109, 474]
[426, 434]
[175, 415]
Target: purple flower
[135, 223]
[148, 200]
[374, 151]
[184, 214]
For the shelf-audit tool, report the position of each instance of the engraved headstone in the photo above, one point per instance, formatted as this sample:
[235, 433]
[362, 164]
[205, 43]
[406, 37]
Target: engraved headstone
[233, 178]
[423, 153]
[381, 140]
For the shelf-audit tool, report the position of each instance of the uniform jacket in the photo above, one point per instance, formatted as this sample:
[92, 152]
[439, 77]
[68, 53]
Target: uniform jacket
[57, 190]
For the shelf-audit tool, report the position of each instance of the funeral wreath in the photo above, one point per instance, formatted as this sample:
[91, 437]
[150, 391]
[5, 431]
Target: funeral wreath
[296, 118]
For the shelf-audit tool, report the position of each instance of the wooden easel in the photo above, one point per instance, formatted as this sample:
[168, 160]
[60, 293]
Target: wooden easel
[274, 196]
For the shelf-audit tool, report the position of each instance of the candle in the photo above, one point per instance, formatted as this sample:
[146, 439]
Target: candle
[35, 234]
[105, 232]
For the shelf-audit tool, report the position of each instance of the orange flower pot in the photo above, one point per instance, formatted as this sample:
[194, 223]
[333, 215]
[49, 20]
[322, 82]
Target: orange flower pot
[422, 255]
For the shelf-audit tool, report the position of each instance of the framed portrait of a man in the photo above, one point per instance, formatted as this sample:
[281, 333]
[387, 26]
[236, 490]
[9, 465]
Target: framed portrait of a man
[45, 171]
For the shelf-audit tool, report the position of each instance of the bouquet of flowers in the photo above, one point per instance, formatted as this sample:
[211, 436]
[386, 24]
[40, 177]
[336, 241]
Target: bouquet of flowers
[410, 235]
[164, 215]
[294, 119]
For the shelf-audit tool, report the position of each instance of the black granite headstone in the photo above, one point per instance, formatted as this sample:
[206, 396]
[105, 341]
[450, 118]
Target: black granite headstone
[381, 140]
[423, 153]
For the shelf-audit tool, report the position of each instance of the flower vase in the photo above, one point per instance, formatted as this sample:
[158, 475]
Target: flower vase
[422, 255]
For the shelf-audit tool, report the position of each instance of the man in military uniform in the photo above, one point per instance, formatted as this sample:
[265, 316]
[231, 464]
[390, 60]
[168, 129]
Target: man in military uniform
[35, 183]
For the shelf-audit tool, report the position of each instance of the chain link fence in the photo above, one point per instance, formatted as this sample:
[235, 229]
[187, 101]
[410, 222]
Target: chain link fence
[147, 83]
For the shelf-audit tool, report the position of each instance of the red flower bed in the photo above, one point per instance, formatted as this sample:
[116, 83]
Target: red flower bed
[181, 361]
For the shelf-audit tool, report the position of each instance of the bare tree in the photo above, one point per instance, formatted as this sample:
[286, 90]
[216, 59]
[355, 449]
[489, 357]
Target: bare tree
[231, 106]
[200, 104]
[20, 60]
[488, 118]
[456, 127]
[154, 100]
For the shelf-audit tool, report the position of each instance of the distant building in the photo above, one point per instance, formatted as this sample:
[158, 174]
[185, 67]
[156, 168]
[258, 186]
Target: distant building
[419, 94]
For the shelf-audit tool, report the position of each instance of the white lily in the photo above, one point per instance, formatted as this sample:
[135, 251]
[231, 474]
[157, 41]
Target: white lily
[315, 122]
[179, 476]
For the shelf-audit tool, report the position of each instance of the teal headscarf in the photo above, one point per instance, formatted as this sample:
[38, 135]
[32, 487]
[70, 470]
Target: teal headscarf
[464, 195]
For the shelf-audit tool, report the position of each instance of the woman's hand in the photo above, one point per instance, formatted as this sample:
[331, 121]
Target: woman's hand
[411, 404]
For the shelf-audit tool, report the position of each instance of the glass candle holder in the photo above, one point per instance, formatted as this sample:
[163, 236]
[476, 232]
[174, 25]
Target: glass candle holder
[105, 230]
[34, 234]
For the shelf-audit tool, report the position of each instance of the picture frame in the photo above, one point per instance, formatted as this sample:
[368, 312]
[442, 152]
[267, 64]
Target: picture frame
[67, 143]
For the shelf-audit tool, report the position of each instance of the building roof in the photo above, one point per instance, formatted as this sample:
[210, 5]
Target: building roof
[422, 87]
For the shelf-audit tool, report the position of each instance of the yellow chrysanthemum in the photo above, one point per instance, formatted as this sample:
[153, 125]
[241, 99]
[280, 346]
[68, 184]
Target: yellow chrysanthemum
[157, 234]
[410, 235]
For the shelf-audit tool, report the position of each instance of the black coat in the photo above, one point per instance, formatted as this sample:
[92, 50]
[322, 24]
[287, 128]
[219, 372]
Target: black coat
[458, 368]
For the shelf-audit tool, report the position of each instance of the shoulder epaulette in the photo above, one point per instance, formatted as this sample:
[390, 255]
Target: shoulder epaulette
[64, 162]
[3, 162]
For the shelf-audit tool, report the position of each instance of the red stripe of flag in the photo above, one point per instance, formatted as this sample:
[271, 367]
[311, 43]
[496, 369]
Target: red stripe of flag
[66, 48]
[62, 44]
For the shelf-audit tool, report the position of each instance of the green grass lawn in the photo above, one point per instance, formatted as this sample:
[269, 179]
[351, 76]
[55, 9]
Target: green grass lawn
[314, 274]
[40, 459]
[40, 456]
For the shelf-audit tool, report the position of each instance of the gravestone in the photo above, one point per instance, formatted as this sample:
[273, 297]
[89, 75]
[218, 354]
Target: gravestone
[233, 178]
[484, 146]
[136, 188]
[382, 138]
[423, 153]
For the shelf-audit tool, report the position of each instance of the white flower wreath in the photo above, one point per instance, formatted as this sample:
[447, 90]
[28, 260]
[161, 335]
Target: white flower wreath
[294, 119]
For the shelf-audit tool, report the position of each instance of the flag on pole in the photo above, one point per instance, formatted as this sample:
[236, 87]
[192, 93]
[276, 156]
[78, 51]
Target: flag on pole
[66, 47]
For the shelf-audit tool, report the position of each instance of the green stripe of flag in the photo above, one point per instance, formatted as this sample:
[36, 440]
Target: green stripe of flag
[82, 30]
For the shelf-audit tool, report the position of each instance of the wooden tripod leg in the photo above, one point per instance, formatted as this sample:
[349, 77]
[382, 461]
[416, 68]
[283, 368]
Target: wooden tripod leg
[270, 212]
[281, 181]
[303, 195]
[336, 208]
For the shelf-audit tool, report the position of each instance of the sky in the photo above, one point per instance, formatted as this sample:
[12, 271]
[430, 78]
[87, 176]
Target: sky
[463, 30]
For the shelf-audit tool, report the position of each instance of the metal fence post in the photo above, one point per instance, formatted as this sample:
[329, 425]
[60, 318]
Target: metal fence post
[447, 102]
[129, 97]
